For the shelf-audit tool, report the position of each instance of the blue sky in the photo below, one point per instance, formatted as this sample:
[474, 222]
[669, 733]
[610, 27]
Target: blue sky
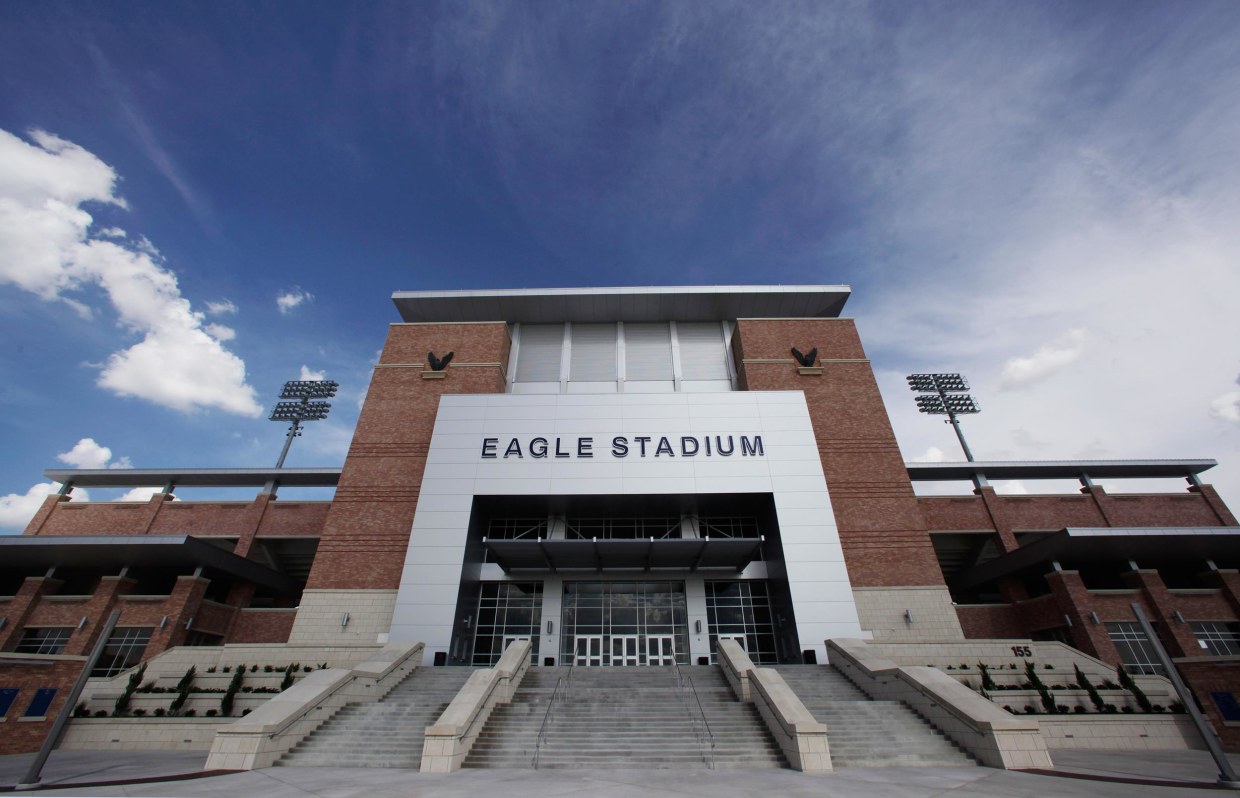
[1040, 195]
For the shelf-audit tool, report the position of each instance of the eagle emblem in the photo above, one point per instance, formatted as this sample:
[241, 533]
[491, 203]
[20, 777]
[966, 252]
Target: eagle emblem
[438, 363]
[807, 359]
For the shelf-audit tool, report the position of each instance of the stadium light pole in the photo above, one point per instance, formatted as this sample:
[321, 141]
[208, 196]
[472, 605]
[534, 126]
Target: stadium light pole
[943, 394]
[303, 409]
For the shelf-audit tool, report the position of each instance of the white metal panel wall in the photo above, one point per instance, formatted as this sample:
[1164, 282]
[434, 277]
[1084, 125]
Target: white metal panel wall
[789, 469]
[702, 355]
[541, 348]
[647, 352]
[593, 356]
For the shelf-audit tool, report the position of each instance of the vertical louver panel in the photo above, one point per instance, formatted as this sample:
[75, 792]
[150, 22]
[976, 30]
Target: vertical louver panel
[702, 355]
[647, 352]
[593, 353]
[538, 359]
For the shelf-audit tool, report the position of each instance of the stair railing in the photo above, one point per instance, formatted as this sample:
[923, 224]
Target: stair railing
[542, 730]
[710, 737]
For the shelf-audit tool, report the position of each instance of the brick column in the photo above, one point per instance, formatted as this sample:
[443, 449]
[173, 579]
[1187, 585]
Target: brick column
[253, 519]
[1074, 601]
[1227, 580]
[1101, 500]
[181, 605]
[96, 609]
[1160, 605]
[19, 608]
[45, 510]
[1211, 496]
[1004, 535]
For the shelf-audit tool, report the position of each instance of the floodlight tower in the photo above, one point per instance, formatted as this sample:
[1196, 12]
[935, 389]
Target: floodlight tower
[303, 409]
[948, 398]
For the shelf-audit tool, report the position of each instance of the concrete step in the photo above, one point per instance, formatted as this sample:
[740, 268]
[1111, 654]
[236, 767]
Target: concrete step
[867, 733]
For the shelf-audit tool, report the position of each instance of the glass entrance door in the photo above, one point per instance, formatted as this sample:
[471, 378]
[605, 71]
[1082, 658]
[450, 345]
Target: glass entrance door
[638, 623]
[589, 650]
[661, 650]
[624, 650]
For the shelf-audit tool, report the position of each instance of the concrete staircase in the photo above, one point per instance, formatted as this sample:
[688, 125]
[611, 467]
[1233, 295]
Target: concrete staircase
[387, 733]
[866, 733]
[625, 717]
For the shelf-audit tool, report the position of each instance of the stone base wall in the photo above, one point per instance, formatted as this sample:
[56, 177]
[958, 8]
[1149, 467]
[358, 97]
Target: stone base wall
[882, 613]
[320, 616]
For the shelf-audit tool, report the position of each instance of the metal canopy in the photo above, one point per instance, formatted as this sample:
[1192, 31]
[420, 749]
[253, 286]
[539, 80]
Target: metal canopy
[195, 477]
[1056, 469]
[603, 555]
[115, 552]
[1078, 545]
[633, 304]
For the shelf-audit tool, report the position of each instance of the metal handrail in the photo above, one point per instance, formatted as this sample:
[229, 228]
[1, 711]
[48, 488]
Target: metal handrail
[710, 736]
[542, 730]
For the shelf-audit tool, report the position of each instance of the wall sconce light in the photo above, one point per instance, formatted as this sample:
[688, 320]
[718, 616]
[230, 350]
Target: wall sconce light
[908, 616]
[1093, 616]
[1178, 616]
[550, 627]
[344, 620]
[82, 623]
[163, 622]
[1067, 620]
[189, 624]
[4, 622]
[697, 626]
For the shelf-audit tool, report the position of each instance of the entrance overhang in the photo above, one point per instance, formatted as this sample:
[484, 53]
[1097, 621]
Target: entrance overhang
[602, 555]
[1080, 545]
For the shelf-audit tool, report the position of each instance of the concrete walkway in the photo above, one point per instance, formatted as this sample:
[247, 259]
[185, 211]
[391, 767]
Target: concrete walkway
[1178, 773]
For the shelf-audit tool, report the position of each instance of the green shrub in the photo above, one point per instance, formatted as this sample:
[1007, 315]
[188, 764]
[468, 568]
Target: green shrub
[1088, 687]
[121, 707]
[1125, 680]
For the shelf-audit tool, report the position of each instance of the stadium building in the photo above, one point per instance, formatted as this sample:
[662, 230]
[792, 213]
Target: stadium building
[623, 477]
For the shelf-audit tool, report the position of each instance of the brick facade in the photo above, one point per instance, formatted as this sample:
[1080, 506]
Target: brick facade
[367, 530]
[882, 530]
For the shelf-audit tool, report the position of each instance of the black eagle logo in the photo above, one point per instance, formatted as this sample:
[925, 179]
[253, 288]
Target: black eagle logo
[806, 360]
[438, 364]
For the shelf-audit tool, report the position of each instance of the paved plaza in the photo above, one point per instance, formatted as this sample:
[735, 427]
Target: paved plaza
[1082, 773]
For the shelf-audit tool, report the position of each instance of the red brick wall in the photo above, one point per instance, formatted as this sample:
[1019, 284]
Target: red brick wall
[262, 626]
[1215, 675]
[21, 737]
[165, 517]
[881, 525]
[367, 529]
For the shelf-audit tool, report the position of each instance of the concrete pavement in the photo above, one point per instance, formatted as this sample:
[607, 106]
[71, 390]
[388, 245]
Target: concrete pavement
[1177, 773]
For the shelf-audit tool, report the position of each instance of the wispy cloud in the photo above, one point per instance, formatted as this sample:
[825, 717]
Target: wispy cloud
[290, 300]
[149, 142]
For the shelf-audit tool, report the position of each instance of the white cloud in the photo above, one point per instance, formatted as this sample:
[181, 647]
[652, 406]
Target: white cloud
[112, 232]
[46, 248]
[308, 374]
[17, 509]
[86, 454]
[220, 308]
[143, 494]
[1226, 407]
[291, 298]
[220, 332]
[932, 455]
[1049, 359]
